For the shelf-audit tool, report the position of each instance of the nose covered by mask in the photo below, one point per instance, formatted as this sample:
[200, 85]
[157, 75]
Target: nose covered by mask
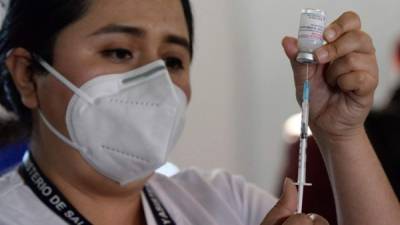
[124, 125]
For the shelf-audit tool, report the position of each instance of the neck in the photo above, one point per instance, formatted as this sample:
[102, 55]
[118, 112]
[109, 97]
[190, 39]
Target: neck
[99, 199]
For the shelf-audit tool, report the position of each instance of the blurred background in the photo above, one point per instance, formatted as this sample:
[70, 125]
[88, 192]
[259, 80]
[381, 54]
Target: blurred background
[242, 82]
[243, 89]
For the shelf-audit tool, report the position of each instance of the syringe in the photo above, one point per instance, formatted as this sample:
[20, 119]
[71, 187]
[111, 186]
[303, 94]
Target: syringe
[312, 26]
[301, 176]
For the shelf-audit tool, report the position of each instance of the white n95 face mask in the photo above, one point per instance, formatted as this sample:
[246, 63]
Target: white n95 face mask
[124, 125]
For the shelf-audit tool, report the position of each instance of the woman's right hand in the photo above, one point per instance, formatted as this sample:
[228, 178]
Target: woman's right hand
[284, 211]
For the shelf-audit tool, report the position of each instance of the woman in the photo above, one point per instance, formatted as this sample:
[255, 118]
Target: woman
[103, 86]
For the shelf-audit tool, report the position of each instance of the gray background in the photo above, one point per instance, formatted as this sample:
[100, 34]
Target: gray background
[242, 82]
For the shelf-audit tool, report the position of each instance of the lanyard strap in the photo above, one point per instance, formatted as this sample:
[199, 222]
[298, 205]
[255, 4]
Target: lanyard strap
[160, 213]
[49, 194]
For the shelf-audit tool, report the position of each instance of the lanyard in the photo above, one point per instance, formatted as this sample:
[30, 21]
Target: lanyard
[48, 193]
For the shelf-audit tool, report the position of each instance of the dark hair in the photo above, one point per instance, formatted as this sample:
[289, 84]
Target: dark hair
[35, 25]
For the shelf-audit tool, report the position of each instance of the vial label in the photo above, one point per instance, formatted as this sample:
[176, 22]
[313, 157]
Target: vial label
[311, 29]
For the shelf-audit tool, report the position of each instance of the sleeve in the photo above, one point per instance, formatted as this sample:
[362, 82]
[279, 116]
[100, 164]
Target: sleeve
[250, 202]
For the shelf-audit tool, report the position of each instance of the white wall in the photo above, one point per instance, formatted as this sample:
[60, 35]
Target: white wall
[242, 82]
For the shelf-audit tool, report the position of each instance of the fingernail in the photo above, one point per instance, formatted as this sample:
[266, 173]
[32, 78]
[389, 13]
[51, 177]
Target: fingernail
[330, 34]
[9, 52]
[322, 55]
[311, 216]
[283, 42]
[285, 184]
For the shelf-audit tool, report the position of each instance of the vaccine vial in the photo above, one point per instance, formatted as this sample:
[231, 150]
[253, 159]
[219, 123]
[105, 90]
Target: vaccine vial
[311, 30]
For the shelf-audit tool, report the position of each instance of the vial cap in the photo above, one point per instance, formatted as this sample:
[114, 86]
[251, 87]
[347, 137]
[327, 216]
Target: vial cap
[305, 57]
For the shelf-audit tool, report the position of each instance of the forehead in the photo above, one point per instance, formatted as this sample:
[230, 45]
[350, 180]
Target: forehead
[162, 16]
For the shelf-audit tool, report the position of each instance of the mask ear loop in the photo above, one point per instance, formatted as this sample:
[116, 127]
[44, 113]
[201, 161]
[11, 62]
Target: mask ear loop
[63, 80]
[59, 134]
[72, 87]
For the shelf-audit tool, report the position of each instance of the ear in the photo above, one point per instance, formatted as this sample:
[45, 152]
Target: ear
[19, 63]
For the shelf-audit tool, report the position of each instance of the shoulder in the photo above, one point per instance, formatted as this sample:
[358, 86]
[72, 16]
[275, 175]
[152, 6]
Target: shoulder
[218, 189]
[218, 180]
[228, 185]
[18, 204]
[11, 194]
[9, 182]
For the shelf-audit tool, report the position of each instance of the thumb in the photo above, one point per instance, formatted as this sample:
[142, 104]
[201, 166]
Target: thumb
[291, 49]
[285, 207]
[289, 45]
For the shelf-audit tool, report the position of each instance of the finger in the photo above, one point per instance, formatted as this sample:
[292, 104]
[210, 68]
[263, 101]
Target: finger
[349, 63]
[354, 41]
[346, 22]
[299, 219]
[318, 220]
[290, 46]
[288, 200]
[359, 82]
[285, 207]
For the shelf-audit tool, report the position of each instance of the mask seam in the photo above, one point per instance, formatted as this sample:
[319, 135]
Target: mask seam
[137, 103]
[108, 148]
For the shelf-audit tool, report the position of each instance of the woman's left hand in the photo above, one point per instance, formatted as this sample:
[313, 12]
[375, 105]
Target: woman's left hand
[343, 82]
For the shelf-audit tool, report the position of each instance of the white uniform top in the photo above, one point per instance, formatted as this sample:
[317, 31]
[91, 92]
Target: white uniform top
[190, 197]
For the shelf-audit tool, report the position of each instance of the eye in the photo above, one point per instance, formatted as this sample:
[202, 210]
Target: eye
[174, 63]
[118, 54]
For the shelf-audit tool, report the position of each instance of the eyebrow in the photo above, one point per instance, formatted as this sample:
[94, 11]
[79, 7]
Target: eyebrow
[114, 28]
[138, 32]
